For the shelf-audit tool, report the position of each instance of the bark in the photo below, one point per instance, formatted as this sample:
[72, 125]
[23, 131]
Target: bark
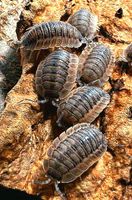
[27, 130]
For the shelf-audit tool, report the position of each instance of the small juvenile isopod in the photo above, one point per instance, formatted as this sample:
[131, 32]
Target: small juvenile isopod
[128, 54]
[51, 34]
[56, 75]
[83, 104]
[95, 66]
[85, 22]
[73, 153]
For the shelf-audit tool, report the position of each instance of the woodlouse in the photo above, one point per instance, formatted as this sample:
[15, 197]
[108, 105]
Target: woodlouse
[51, 34]
[56, 75]
[74, 152]
[83, 104]
[95, 66]
[85, 22]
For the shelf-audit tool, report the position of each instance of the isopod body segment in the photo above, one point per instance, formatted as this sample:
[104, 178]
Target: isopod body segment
[51, 34]
[56, 75]
[73, 152]
[95, 66]
[84, 104]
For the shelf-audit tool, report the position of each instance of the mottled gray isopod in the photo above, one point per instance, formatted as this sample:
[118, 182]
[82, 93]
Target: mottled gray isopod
[56, 75]
[51, 34]
[95, 66]
[84, 104]
[85, 22]
[73, 152]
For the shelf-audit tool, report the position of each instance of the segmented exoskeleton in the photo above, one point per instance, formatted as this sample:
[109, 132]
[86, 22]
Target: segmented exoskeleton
[73, 152]
[83, 104]
[95, 66]
[85, 21]
[51, 34]
[56, 75]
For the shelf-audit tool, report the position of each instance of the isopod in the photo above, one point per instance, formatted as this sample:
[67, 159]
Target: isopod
[95, 66]
[73, 153]
[51, 34]
[83, 104]
[85, 22]
[56, 75]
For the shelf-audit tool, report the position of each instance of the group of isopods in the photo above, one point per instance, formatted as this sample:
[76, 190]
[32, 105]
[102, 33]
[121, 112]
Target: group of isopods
[73, 84]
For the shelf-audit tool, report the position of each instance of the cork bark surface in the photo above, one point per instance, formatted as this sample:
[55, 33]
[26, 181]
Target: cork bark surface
[27, 129]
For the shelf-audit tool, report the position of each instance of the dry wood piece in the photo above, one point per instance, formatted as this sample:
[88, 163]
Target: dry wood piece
[26, 132]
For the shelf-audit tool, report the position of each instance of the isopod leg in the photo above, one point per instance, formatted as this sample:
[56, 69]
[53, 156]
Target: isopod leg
[55, 102]
[30, 56]
[43, 101]
[61, 194]
[42, 182]
[59, 120]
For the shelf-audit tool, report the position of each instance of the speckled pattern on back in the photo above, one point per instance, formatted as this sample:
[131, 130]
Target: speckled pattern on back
[73, 152]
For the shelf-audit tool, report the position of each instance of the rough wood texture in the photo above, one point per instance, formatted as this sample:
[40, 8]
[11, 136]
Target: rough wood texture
[26, 132]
